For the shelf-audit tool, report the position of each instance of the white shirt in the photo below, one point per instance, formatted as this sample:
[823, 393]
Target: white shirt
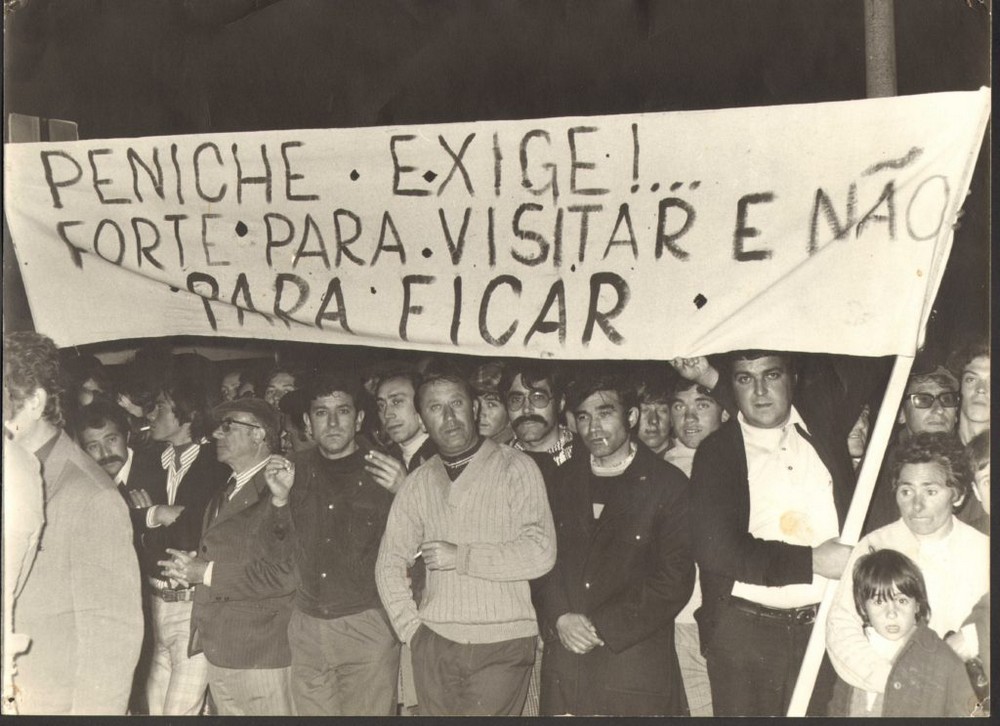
[122, 476]
[682, 457]
[411, 448]
[791, 500]
[174, 475]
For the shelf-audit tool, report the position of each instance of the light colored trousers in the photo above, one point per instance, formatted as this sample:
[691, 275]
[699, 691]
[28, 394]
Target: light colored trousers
[176, 684]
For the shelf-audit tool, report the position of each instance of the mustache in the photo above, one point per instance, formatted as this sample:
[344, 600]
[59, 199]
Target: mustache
[110, 460]
[526, 418]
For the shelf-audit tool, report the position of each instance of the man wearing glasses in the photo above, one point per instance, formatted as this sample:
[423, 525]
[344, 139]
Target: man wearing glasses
[243, 599]
[534, 400]
[930, 405]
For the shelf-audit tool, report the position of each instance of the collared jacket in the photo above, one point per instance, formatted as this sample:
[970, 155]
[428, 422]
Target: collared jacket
[927, 680]
[206, 477]
[81, 604]
[332, 525]
[241, 620]
[829, 397]
[630, 572]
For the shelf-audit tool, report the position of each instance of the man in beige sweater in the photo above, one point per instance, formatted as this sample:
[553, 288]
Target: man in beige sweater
[478, 515]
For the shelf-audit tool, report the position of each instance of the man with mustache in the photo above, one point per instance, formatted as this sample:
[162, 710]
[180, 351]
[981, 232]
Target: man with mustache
[478, 516]
[329, 513]
[533, 394]
[102, 431]
[534, 399]
[624, 567]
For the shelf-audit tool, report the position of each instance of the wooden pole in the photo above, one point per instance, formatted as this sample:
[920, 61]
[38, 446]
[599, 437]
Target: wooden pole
[877, 444]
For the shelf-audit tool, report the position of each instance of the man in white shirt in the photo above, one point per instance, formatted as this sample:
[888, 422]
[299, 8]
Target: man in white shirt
[770, 490]
[693, 415]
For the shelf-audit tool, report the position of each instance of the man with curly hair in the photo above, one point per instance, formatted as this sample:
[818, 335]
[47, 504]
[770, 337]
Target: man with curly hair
[81, 601]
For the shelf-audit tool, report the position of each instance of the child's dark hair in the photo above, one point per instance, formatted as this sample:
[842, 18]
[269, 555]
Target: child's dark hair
[883, 573]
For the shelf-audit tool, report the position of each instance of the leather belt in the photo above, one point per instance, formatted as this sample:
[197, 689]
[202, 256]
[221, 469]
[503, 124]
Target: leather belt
[792, 616]
[161, 589]
[175, 595]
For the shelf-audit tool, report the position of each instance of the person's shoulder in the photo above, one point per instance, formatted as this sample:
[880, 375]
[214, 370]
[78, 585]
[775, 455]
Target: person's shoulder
[927, 644]
[973, 537]
[81, 472]
[658, 471]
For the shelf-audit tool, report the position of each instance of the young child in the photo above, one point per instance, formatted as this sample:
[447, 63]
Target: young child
[927, 679]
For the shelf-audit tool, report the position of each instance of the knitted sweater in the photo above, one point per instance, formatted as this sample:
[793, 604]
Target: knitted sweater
[497, 514]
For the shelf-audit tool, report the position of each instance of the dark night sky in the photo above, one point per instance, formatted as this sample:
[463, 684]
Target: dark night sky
[147, 67]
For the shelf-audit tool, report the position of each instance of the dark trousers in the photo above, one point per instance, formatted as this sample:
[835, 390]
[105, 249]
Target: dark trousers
[753, 663]
[470, 679]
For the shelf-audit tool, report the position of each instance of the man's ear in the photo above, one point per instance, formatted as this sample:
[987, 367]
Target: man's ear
[475, 409]
[34, 404]
[725, 415]
[360, 420]
[632, 417]
[307, 425]
[901, 419]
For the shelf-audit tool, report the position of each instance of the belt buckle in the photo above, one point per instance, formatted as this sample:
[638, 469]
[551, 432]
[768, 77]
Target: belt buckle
[806, 616]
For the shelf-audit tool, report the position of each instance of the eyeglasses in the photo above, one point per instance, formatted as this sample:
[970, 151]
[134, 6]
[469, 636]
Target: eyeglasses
[226, 425]
[537, 399]
[947, 399]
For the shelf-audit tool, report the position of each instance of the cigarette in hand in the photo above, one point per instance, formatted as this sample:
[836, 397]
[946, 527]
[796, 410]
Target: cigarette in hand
[419, 554]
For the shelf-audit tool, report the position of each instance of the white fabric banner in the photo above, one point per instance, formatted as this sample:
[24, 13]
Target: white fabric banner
[821, 227]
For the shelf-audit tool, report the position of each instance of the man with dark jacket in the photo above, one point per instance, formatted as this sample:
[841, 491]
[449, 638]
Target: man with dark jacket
[328, 511]
[770, 490]
[243, 599]
[623, 569]
[171, 507]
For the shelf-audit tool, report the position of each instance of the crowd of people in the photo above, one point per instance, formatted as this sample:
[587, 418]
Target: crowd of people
[445, 535]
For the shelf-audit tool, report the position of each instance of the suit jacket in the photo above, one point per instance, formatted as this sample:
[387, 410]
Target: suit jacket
[81, 604]
[829, 398]
[630, 572]
[202, 481]
[241, 621]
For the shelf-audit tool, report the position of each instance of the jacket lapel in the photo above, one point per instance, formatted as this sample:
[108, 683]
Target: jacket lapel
[250, 494]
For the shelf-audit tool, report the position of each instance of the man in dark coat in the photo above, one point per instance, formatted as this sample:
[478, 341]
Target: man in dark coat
[785, 459]
[623, 569]
[243, 598]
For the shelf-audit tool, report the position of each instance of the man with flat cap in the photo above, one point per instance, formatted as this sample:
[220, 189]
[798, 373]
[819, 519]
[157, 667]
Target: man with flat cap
[243, 598]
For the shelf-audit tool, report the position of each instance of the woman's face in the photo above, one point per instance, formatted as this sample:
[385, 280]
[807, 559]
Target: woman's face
[924, 498]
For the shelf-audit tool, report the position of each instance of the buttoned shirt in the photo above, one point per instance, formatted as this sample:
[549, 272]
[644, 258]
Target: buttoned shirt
[122, 476]
[175, 474]
[791, 500]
